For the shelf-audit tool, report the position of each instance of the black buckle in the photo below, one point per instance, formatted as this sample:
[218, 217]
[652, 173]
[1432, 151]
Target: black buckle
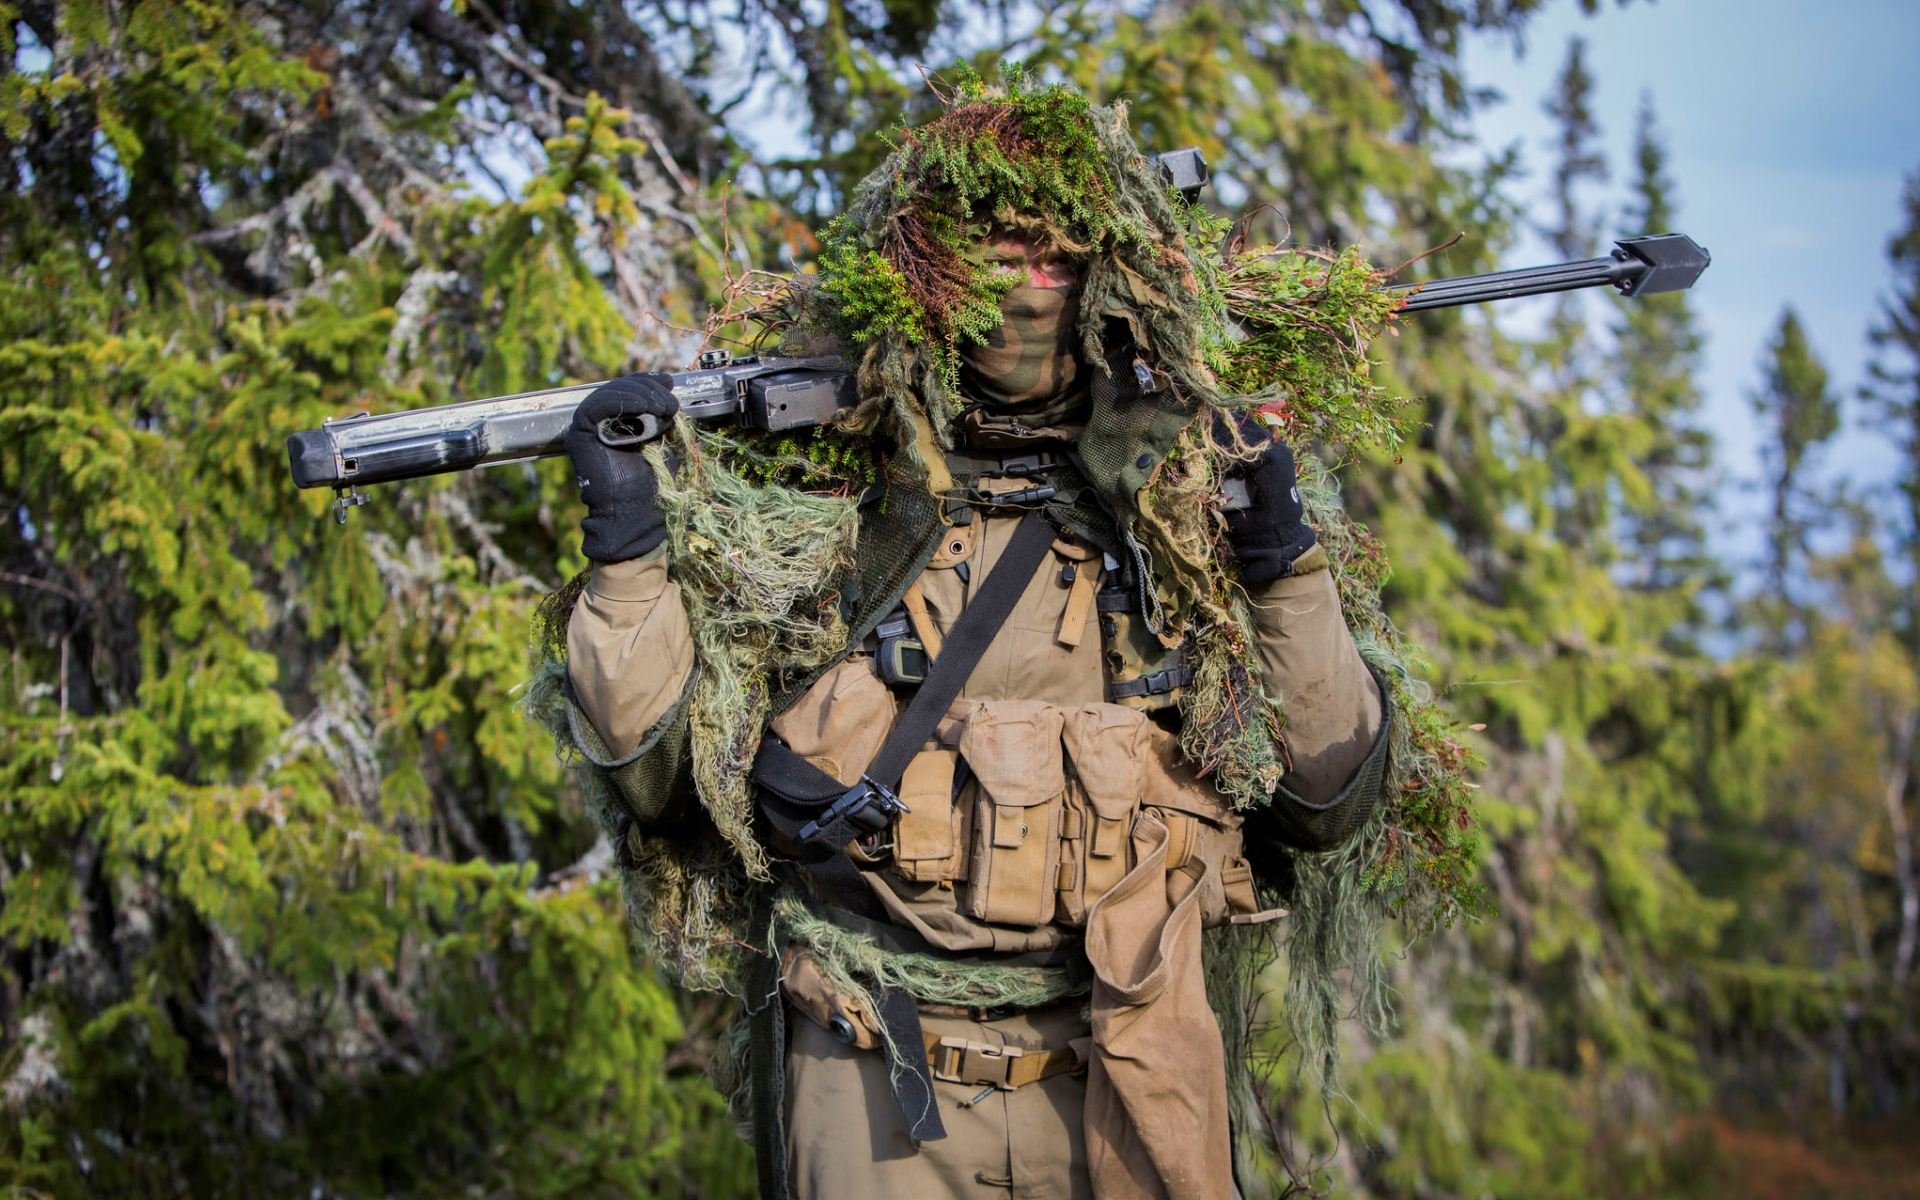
[1025, 466]
[1021, 498]
[1154, 683]
[870, 806]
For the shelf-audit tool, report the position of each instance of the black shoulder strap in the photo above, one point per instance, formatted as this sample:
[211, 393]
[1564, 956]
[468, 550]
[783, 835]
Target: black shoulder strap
[814, 809]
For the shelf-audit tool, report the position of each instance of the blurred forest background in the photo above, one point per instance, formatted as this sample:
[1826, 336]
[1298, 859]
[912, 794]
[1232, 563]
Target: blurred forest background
[297, 903]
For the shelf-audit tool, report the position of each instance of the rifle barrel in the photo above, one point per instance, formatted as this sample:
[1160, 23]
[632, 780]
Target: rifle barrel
[1667, 262]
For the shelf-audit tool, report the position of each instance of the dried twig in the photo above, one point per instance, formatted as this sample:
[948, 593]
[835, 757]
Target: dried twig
[1451, 242]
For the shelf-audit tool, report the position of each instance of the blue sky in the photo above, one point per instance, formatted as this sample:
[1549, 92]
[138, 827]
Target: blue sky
[1790, 127]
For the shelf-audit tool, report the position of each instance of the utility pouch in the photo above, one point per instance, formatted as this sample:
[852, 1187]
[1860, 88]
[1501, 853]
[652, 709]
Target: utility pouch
[840, 722]
[1013, 749]
[1215, 867]
[845, 1018]
[1107, 746]
[1203, 845]
[927, 838]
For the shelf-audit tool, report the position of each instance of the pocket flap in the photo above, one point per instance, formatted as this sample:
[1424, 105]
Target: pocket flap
[839, 723]
[1013, 748]
[925, 830]
[1108, 747]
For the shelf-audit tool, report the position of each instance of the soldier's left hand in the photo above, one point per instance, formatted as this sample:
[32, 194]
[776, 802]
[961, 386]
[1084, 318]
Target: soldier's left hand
[1271, 531]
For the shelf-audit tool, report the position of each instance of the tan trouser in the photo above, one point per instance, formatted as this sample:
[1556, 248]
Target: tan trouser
[845, 1136]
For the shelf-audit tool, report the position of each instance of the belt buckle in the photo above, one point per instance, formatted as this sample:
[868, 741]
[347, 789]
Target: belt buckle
[945, 1061]
[961, 1060]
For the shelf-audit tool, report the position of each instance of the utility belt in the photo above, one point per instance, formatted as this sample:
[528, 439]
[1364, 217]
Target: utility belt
[995, 1066]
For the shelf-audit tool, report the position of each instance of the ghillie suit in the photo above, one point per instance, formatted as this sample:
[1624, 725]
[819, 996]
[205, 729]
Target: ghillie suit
[789, 550]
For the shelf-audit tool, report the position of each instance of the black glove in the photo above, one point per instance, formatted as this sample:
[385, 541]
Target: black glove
[623, 518]
[1272, 530]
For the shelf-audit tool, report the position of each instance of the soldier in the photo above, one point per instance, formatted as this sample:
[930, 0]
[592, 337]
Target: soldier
[993, 791]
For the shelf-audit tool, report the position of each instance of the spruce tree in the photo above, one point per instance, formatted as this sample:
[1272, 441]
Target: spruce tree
[295, 899]
[1894, 387]
[1799, 410]
[1657, 347]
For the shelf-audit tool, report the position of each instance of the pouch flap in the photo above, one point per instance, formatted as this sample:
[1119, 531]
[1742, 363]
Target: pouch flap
[925, 830]
[1107, 744]
[839, 723]
[1013, 748]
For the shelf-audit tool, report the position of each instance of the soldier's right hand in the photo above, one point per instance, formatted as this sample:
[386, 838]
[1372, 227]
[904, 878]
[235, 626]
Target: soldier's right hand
[623, 518]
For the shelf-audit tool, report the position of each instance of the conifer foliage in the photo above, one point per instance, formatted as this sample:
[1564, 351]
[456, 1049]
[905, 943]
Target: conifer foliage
[294, 900]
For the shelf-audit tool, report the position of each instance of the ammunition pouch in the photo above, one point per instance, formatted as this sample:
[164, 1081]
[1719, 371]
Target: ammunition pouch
[1023, 814]
[1013, 748]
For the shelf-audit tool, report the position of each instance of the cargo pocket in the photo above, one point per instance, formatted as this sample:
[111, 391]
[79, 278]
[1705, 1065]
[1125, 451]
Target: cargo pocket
[1013, 749]
[1106, 745]
[927, 842]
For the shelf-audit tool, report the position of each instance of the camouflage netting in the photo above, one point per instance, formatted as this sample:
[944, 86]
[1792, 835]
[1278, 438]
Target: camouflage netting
[763, 529]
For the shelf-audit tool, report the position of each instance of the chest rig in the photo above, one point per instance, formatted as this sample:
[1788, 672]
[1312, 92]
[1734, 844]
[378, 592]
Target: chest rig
[1141, 673]
[1024, 816]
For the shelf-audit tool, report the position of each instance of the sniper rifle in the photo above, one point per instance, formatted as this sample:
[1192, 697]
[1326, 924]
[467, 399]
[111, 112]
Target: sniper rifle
[777, 394]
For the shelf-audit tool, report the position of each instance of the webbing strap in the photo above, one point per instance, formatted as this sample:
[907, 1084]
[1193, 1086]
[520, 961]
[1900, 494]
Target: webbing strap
[909, 1072]
[1174, 672]
[767, 1063]
[818, 813]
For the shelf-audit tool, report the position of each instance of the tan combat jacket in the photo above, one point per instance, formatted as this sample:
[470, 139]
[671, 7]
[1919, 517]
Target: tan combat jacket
[1074, 818]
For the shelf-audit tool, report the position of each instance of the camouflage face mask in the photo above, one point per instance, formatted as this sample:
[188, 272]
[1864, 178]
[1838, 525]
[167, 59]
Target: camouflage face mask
[1028, 367]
